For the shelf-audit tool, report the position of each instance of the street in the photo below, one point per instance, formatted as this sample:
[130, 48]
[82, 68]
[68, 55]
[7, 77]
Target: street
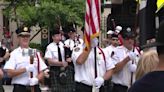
[8, 88]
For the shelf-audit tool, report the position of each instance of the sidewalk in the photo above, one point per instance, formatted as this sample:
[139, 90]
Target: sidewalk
[9, 88]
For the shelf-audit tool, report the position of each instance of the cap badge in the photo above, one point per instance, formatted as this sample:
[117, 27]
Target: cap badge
[128, 29]
[25, 29]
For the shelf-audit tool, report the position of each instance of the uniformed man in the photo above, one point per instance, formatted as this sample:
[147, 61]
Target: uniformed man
[106, 42]
[25, 65]
[114, 43]
[61, 81]
[92, 68]
[70, 44]
[73, 40]
[125, 58]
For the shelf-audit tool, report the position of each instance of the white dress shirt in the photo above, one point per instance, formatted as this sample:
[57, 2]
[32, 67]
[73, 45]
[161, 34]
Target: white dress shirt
[123, 77]
[17, 61]
[85, 73]
[52, 51]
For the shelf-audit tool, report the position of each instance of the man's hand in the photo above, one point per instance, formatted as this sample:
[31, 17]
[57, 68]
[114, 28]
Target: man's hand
[65, 64]
[33, 81]
[94, 42]
[99, 81]
[132, 55]
[46, 73]
[69, 60]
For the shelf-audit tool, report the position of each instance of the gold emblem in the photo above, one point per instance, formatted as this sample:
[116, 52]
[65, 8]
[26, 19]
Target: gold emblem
[25, 29]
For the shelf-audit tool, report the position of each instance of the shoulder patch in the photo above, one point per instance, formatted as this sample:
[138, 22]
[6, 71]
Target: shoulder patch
[76, 49]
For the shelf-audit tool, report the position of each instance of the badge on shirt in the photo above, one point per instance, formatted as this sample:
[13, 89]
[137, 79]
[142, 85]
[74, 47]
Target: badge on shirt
[77, 49]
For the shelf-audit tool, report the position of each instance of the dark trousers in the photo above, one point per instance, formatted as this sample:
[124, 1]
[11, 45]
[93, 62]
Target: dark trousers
[119, 88]
[80, 87]
[1, 87]
[22, 88]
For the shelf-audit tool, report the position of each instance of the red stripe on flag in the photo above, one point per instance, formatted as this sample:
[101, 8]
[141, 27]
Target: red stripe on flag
[97, 2]
[92, 20]
[87, 18]
[89, 4]
[92, 24]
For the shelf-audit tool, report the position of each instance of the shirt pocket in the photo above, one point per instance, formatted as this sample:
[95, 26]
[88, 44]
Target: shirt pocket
[22, 62]
[54, 54]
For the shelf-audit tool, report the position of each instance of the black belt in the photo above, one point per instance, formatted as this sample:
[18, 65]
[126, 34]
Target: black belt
[119, 85]
[82, 84]
[24, 86]
[85, 87]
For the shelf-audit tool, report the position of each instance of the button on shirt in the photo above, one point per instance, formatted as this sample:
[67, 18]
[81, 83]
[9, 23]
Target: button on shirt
[123, 77]
[17, 61]
[52, 51]
[85, 73]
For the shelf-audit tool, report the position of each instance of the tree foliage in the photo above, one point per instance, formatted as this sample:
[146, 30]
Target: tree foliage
[48, 13]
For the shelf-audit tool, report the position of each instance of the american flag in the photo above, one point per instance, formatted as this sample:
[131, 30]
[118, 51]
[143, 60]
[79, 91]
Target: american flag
[92, 21]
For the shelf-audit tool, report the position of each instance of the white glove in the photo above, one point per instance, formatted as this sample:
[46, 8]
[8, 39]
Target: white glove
[132, 55]
[133, 67]
[30, 68]
[94, 42]
[33, 81]
[98, 82]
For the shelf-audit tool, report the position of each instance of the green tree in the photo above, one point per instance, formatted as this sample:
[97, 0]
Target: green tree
[48, 13]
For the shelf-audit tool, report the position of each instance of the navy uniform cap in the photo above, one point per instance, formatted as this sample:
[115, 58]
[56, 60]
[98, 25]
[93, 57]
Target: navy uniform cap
[114, 35]
[71, 30]
[55, 31]
[127, 33]
[23, 31]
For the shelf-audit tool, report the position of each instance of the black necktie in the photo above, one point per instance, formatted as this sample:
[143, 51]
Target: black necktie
[74, 43]
[59, 53]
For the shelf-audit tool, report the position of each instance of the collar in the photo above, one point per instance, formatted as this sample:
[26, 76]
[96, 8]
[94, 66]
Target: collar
[21, 49]
[60, 43]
